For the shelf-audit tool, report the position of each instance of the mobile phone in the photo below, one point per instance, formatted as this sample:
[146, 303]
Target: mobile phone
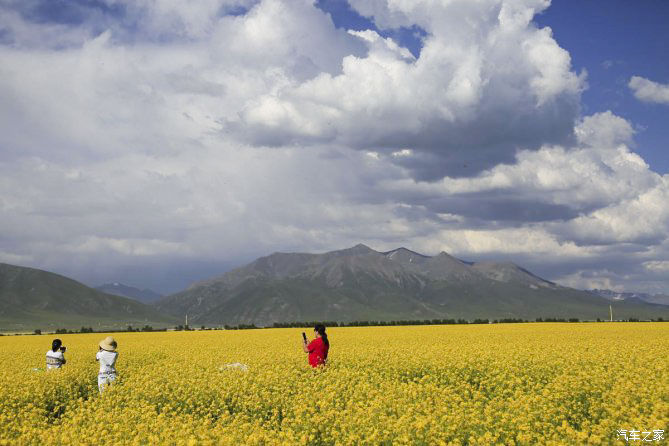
[304, 336]
[63, 348]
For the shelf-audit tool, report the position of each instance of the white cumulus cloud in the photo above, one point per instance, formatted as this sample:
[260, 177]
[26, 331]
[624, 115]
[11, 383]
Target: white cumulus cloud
[648, 91]
[660, 266]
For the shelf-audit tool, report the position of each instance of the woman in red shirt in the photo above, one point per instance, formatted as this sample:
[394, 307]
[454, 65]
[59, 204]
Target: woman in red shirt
[318, 348]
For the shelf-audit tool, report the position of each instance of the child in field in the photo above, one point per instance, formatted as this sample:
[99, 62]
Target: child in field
[107, 356]
[318, 348]
[55, 357]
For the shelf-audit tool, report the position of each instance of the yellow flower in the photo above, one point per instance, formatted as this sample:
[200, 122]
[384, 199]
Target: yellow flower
[546, 384]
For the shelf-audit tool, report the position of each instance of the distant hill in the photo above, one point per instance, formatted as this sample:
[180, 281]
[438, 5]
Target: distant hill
[661, 299]
[32, 298]
[362, 284]
[145, 296]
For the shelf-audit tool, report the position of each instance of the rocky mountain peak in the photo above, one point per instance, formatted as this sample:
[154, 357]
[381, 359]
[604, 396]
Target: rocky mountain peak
[359, 249]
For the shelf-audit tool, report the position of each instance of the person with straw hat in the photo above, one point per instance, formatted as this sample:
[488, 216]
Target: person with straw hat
[107, 356]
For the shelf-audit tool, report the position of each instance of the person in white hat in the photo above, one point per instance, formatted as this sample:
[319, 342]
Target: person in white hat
[107, 356]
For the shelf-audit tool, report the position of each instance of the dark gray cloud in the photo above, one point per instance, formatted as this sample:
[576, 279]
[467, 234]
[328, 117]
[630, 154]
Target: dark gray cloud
[502, 207]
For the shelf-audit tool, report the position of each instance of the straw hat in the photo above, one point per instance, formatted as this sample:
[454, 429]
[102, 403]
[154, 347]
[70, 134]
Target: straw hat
[108, 344]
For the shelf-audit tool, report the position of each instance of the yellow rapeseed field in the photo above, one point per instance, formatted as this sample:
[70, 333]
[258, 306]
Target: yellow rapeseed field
[575, 383]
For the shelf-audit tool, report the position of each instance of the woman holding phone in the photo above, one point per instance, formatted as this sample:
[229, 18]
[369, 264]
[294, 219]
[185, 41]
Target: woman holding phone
[318, 348]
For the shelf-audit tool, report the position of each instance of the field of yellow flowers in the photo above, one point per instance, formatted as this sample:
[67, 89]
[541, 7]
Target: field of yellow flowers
[575, 383]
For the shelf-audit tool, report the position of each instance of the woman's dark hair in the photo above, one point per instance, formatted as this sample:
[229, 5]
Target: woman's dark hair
[320, 328]
[55, 345]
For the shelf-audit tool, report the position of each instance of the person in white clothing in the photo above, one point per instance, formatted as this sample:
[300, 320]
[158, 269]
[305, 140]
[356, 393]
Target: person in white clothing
[55, 357]
[106, 356]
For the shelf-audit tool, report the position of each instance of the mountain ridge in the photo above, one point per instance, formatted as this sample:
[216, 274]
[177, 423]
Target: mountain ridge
[31, 297]
[359, 283]
[661, 299]
[144, 296]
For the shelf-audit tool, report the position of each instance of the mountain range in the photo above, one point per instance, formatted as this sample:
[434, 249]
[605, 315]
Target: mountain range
[661, 299]
[146, 296]
[360, 283]
[31, 298]
[353, 284]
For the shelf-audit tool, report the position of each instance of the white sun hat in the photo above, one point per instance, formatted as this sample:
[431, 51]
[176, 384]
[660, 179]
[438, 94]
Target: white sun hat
[108, 344]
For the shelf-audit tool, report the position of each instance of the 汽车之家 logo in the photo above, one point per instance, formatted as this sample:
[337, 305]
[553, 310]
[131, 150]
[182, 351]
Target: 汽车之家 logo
[640, 435]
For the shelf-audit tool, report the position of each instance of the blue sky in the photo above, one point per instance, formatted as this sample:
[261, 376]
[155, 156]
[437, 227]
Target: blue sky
[614, 43]
[156, 143]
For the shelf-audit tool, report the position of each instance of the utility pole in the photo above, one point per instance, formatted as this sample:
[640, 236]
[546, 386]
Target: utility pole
[611, 313]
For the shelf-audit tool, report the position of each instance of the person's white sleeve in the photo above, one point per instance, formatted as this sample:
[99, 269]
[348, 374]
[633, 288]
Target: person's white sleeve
[97, 356]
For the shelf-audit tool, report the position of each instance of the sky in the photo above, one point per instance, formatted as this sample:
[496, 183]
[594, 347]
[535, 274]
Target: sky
[157, 143]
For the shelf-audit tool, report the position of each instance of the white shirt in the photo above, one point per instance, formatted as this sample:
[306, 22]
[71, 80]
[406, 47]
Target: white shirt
[54, 360]
[107, 362]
